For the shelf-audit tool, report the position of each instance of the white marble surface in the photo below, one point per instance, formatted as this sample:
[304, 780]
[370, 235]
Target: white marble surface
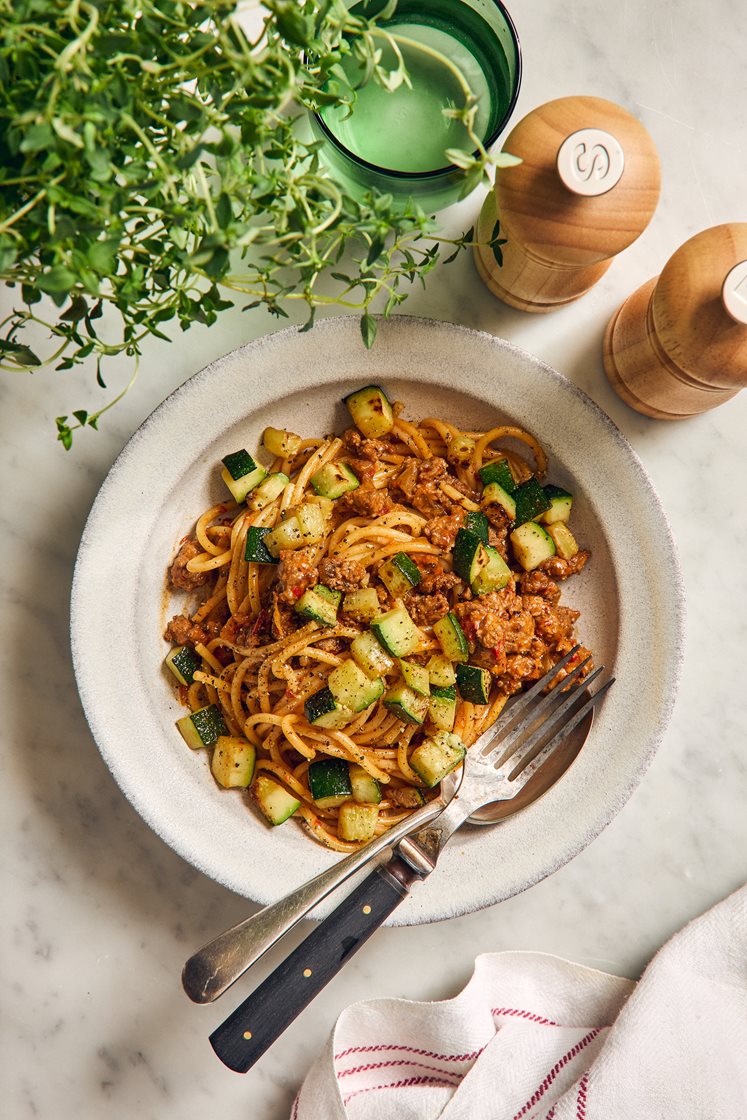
[98, 916]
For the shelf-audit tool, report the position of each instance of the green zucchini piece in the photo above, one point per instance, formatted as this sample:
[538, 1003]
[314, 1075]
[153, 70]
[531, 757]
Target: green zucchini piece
[531, 501]
[409, 797]
[476, 522]
[494, 493]
[498, 470]
[363, 604]
[322, 710]
[280, 443]
[451, 636]
[329, 782]
[560, 505]
[333, 480]
[397, 633]
[563, 539]
[352, 688]
[285, 535]
[270, 489]
[406, 704]
[203, 727]
[369, 655]
[326, 505]
[416, 677]
[493, 575]
[233, 761]
[256, 551]
[399, 574]
[371, 411]
[183, 663]
[441, 671]
[241, 474]
[438, 756]
[320, 604]
[442, 708]
[274, 800]
[473, 683]
[366, 790]
[531, 545]
[357, 822]
[480, 565]
[311, 522]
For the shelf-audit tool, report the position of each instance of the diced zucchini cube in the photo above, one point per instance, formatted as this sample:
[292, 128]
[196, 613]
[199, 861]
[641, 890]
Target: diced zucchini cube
[476, 522]
[399, 574]
[363, 605]
[274, 800]
[493, 494]
[563, 539]
[366, 790]
[333, 480]
[280, 443]
[371, 411]
[320, 604]
[233, 760]
[442, 708]
[369, 655]
[357, 822]
[269, 490]
[241, 474]
[531, 501]
[183, 662]
[286, 535]
[397, 632]
[256, 550]
[322, 710]
[560, 505]
[351, 687]
[451, 636]
[473, 683]
[416, 677]
[531, 545]
[203, 727]
[311, 522]
[438, 756]
[406, 704]
[498, 470]
[493, 574]
[329, 782]
[441, 672]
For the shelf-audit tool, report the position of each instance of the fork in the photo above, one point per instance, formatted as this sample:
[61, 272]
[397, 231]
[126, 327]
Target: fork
[497, 767]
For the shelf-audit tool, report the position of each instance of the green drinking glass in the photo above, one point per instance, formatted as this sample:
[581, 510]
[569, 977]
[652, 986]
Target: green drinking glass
[395, 142]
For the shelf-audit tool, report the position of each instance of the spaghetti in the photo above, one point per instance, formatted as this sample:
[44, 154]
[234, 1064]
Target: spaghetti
[363, 602]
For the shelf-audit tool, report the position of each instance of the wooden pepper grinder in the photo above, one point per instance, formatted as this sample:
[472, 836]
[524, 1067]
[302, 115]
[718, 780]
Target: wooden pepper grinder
[586, 188]
[678, 345]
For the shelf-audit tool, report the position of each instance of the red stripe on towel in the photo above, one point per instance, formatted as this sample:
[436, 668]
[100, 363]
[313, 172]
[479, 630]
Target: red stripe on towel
[459, 1074]
[409, 1050]
[399, 1085]
[547, 1082]
[581, 1101]
[521, 1014]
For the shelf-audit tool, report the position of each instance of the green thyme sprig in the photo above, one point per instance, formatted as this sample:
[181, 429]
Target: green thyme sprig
[153, 165]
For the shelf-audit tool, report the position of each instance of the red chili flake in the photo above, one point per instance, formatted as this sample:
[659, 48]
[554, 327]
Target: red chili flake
[262, 623]
[297, 592]
[498, 651]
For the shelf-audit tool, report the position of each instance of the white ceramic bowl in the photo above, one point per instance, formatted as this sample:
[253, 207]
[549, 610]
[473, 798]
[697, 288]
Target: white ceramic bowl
[630, 594]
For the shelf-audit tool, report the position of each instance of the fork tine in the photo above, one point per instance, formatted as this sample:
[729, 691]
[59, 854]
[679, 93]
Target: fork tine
[508, 718]
[509, 738]
[523, 771]
[561, 701]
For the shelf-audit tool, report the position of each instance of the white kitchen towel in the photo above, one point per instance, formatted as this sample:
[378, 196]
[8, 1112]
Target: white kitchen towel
[534, 1037]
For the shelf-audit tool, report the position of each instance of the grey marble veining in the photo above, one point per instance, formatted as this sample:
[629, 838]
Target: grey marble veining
[98, 915]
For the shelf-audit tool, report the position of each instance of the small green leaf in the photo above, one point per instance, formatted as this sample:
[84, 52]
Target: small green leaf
[58, 280]
[368, 330]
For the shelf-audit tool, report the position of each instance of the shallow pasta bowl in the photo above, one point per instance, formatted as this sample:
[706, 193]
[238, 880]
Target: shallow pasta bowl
[630, 594]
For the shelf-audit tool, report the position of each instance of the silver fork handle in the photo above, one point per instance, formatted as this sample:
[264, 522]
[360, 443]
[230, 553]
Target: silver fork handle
[212, 969]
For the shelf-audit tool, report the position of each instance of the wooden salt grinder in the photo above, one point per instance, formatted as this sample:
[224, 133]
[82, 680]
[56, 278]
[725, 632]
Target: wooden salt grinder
[678, 345]
[586, 188]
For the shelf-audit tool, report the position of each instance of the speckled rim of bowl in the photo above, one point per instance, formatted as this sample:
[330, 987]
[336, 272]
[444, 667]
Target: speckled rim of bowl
[181, 806]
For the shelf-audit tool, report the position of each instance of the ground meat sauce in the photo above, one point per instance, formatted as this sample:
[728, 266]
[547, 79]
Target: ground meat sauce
[184, 632]
[365, 501]
[442, 531]
[558, 568]
[342, 575]
[296, 573]
[417, 484]
[179, 576]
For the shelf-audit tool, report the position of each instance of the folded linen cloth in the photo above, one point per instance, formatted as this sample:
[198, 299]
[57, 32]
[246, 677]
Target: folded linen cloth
[535, 1037]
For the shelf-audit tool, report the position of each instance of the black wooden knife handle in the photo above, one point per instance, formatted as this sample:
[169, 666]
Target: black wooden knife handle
[256, 1023]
